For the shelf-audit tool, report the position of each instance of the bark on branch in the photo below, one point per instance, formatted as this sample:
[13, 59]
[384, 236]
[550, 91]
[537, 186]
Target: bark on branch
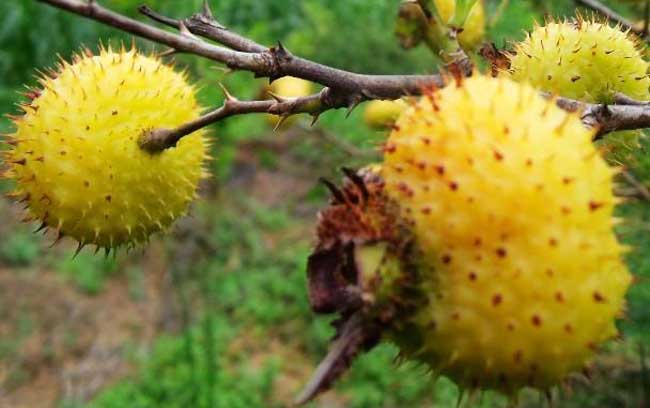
[342, 88]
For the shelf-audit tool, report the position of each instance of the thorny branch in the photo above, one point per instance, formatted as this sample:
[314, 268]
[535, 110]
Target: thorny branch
[343, 89]
[157, 140]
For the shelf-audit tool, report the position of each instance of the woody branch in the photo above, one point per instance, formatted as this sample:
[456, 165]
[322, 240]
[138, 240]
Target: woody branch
[343, 89]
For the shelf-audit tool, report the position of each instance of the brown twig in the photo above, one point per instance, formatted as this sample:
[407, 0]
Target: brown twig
[273, 62]
[342, 88]
[205, 25]
[157, 140]
[611, 15]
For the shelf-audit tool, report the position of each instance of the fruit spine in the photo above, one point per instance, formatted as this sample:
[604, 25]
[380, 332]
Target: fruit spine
[75, 157]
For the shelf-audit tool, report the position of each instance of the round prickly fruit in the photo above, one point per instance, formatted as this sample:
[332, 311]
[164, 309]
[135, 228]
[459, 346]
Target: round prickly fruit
[474, 27]
[482, 246]
[519, 261]
[584, 60]
[288, 87]
[383, 114]
[76, 161]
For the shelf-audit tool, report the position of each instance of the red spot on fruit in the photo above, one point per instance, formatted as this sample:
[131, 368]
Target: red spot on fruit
[446, 259]
[559, 297]
[453, 186]
[501, 252]
[472, 276]
[390, 148]
[497, 299]
[594, 205]
[599, 298]
[536, 320]
[404, 188]
[568, 328]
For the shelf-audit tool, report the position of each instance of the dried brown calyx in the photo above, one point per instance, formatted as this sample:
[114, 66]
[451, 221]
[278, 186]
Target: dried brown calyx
[361, 269]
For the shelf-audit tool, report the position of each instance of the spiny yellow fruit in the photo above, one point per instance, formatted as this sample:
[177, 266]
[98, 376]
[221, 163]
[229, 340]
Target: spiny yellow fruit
[288, 87]
[474, 28]
[522, 269]
[583, 60]
[75, 158]
[383, 114]
[483, 246]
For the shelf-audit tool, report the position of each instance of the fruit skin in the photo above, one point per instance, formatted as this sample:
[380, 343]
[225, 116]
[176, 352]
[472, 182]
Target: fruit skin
[381, 114]
[514, 224]
[288, 87]
[482, 246]
[474, 28]
[583, 60]
[75, 158]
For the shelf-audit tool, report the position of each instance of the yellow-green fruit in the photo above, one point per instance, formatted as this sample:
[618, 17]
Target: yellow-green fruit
[383, 114]
[511, 208]
[474, 28]
[584, 60]
[288, 87]
[76, 160]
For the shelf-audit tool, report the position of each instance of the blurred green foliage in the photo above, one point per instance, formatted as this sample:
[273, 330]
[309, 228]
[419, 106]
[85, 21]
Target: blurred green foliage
[251, 287]
[88, 272]
[19, 249]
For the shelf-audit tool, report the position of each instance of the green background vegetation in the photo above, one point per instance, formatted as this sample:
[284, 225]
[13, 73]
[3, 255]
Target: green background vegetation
[231, 325]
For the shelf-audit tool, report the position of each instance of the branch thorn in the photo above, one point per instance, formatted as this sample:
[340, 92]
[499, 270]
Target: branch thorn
[279, 98]
[167, 52]
[352, 106]
[281, 120]
[314, 118]
[229, 96]
[207, 12]
[185, 32]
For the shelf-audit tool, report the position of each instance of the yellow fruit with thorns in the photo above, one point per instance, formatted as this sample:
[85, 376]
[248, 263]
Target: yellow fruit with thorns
[583, 60]
[75, 157]
[484, 247]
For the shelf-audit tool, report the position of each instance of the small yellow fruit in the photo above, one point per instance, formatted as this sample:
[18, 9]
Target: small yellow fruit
[76, 160]
[383, 114]
[522, 269]
[474, 28]
[288, 87]
[583, 60]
